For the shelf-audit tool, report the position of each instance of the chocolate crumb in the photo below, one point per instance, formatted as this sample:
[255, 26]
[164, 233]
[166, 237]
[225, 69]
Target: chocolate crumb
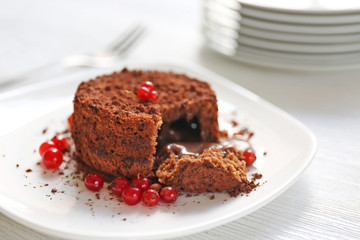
[46, 184]
[244, 187]
[224, 133]
[188, 195]
[38, 163]
[97, 196]
[212, 197]
[17, 165]
[54, 190]
[124, 219]
[28, 170]
[265, 153]
[44, 130]
[256, 176]
[234, 123]
[34, 150]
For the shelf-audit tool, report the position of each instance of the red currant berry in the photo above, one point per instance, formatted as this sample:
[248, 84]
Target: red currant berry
[149, 85]
[150, 197]
[60, 142]
[154, 96]
[143, 93]
[94, 182]
[141, 182]
[250, 156]
[118, 185]
[45, 146]
[70, 120]
[131, 195]
[169, 194]
[52, 158]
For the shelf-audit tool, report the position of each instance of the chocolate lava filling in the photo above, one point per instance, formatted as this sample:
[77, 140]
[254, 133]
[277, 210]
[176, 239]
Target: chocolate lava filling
[183, 138]
[179, 131]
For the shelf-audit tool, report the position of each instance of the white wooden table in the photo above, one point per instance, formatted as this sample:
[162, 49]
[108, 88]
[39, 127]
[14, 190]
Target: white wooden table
[323, 204]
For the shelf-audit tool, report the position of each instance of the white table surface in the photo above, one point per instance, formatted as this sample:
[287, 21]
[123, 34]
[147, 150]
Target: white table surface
[323, 204]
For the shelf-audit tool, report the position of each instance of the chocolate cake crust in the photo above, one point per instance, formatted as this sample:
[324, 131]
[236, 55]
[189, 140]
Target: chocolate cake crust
[117, 133]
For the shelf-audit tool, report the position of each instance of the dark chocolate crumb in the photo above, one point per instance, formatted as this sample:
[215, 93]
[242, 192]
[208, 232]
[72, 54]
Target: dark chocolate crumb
[44, 130]
[97, 196]
[28, 170]
[54, 190]
[17, 165]
[124, 219]
[212, 197]
[244, 187]
[265, 153]
[256, 176]
[46, 184]
[234, 123]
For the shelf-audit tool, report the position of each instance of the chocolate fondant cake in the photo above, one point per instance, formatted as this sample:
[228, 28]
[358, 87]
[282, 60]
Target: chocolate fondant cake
[117, 133]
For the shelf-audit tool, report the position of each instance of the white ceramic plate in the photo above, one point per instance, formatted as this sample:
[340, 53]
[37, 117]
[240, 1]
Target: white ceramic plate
[306, 6]
[234, 20]
[283, 46]
[290, 146]
[284, 16]
[283, 60]
[298, 38]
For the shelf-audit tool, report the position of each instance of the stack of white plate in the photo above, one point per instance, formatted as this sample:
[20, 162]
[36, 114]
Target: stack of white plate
[306, 34]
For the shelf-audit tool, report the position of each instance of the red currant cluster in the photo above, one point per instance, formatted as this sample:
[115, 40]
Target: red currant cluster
[147, 92]
[139, 188]
[50, 151]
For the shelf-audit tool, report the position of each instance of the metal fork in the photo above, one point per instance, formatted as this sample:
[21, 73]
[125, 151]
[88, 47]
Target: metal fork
[106, 58]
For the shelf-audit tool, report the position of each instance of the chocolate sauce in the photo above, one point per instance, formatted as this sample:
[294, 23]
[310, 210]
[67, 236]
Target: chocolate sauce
[196, 148]
[189, 148]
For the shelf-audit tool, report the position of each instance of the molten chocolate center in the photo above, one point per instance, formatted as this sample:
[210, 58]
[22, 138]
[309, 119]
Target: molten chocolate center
[196, 148]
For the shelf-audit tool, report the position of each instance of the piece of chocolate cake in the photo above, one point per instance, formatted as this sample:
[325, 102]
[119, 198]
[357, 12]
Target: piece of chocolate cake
[201, 168]
[117, 133]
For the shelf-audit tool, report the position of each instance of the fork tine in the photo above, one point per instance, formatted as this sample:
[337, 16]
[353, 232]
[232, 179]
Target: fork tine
[124, 47]
[123, 38]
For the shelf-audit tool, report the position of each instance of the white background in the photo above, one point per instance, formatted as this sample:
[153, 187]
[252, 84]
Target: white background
[323, 203]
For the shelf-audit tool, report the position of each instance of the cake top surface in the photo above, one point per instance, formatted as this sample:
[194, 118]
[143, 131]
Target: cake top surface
[118, 91]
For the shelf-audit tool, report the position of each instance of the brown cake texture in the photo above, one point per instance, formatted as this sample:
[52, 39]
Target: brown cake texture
[213, 170]
[117, 133]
